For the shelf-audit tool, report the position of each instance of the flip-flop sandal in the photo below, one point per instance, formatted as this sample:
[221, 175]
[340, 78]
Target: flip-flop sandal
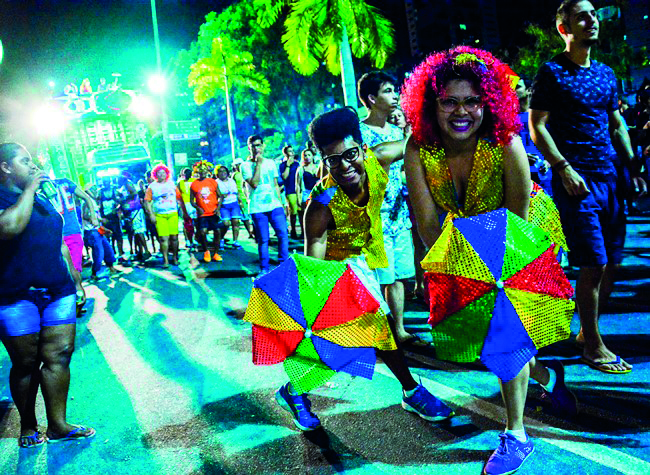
[600, 365]
[74, 434]
[31, 441]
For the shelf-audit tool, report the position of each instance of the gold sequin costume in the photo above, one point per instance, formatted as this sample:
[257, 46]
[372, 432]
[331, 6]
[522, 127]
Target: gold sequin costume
[505, 312]
[485, 189]
[358, 229]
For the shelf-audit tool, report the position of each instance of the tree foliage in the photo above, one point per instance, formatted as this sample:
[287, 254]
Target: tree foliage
[313, 31]
[209, 75]
[291, 99]
[545, 43]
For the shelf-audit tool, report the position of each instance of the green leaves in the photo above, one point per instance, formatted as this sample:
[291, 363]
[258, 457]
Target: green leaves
[208, 75]
[314, 31]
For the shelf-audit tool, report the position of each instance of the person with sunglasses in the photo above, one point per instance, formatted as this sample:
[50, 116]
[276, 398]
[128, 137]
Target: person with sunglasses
[343, 223]
[465, 157]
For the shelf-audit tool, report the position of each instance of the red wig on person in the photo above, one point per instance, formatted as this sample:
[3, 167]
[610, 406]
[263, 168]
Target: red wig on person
[157, 168]
[491, 77]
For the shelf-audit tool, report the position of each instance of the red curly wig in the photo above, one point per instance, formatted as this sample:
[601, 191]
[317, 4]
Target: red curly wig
[160, 166]
[491, 77]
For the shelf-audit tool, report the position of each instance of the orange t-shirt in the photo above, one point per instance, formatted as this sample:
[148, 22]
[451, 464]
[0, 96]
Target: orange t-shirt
[205, 194]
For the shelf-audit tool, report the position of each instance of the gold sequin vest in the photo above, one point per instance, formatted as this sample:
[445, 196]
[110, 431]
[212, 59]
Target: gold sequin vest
[485, 188]
[358, 229]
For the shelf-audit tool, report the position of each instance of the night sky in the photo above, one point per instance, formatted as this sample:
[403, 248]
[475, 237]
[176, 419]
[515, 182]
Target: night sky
[66, 41]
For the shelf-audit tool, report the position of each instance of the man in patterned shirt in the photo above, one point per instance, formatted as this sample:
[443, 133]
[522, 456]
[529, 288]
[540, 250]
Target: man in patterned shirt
[575, 123]
[378, 94]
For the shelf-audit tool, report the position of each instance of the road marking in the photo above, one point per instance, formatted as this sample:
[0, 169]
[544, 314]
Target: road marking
[563, 439]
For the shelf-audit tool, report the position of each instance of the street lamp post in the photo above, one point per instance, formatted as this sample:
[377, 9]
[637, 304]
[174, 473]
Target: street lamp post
[165, 119]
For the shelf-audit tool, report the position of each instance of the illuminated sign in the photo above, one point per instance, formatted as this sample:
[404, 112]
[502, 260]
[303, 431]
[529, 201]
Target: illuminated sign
[99, 103]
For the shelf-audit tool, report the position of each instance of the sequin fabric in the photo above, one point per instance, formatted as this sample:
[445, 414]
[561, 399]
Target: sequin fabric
[543, 213]
[318, 317]
[484, 189]
[496, 289]
[358, 229]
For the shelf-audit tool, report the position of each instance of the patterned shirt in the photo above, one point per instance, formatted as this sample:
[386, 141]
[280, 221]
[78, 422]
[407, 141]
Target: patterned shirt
[579, 100]
[394, 212]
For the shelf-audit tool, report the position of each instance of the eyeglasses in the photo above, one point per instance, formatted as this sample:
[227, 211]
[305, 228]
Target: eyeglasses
[351, 155]
[450, 104]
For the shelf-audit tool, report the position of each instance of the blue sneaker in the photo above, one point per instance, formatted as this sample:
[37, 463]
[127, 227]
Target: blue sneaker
[299, 407]
[426, 405]
[509, 456]
[562, 400]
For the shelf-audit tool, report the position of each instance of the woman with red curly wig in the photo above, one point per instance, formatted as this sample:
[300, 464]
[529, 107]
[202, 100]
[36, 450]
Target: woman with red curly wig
[162, 199]
[465, 158]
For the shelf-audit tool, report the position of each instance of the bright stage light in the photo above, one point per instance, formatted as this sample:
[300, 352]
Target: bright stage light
[108, 172]
[49, 120]
[142, 107]
[157, 84]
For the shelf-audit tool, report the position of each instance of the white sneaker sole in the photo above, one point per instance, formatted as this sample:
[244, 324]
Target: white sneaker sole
[409, 408]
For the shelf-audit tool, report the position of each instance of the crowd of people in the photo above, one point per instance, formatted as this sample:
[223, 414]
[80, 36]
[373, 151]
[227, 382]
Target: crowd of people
[462, 138]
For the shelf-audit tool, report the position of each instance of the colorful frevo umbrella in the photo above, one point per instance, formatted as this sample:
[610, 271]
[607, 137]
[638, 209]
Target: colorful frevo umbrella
[318, 317]
[497, 292]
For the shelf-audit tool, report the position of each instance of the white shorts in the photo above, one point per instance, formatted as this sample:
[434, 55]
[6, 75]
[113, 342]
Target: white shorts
[368, 277]
[400, 255]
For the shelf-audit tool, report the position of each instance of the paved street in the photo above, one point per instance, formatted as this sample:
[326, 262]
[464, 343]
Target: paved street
[162, 370]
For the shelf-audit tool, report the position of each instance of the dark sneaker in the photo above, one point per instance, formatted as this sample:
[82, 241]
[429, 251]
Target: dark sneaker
[426, 405]
[300, 407]
[509, 456]
[562, 400]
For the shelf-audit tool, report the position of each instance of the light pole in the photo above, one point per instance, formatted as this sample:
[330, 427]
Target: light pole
[165, 119]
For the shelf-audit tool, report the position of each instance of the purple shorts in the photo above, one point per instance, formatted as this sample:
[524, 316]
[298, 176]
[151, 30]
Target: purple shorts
[75, 243]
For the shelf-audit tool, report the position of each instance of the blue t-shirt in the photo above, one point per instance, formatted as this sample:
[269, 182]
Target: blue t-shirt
[34, 258]
[65, 205]
[579, 101]
[290, 182]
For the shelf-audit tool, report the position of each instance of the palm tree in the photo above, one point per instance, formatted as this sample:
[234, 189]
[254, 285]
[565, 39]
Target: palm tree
[223, 69]
[330, 32]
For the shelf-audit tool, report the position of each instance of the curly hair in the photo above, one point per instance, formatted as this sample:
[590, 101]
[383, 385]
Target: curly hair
[157, 168]
[491, 77]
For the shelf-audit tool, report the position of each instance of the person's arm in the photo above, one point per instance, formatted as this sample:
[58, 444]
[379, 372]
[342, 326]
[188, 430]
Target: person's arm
[148, 205]
[14, 219]
[257, 173]
[287, 169]
[277, 189]
[572, 181]
[516, 173]
[389, 152]
[621, 141]
[426, 214]
[317, 219]
[90, 204]
[299, 184]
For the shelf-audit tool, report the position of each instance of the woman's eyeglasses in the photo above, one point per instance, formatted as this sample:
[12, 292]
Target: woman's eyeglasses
[450, 104]
[351, 155]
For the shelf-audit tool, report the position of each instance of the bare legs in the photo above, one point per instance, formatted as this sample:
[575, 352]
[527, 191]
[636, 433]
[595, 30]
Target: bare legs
[594, 285]
[514, 392]
[53, 346]
[395, 298]
[164, 248]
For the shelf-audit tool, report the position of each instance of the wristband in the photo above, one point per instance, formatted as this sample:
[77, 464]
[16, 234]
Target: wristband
[561, 165]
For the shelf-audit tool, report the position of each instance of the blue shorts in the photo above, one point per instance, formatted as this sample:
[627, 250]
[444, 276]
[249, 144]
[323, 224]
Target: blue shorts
[35, 309]
[594, 224]
[230, 211]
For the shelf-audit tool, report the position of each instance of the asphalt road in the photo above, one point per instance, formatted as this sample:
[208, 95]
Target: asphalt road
[162, 370]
